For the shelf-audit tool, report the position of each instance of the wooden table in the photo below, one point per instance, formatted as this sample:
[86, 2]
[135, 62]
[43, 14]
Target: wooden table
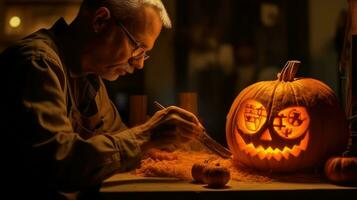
[127, 186]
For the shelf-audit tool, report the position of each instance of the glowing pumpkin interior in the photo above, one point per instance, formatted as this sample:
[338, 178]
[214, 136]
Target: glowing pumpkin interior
[272, 137]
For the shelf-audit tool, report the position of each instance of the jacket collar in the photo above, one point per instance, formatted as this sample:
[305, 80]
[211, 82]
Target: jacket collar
[66, 44]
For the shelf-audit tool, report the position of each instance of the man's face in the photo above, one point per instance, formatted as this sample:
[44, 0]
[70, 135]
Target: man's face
[110, 53]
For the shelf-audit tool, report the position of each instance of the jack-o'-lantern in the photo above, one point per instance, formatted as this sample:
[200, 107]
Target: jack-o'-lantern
[287, 124]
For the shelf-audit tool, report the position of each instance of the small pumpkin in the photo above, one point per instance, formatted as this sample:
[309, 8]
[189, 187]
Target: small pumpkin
[216, 176]
[197, 171]
[342, 169]
[286, 125]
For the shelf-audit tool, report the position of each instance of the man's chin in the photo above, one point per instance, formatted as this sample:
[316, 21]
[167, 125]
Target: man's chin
[116, 71]
[110, 77]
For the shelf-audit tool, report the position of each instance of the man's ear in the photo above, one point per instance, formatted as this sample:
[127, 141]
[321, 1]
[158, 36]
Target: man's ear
[101, 19]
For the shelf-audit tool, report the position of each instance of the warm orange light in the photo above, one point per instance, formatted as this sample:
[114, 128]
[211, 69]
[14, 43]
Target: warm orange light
[268, 153]
[15, 21]
[252, 116]
[289, 124]
[292, 122]
[286, 124]
[266, 136]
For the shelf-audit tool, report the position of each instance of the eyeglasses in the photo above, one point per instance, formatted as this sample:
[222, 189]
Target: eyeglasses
[138, 51]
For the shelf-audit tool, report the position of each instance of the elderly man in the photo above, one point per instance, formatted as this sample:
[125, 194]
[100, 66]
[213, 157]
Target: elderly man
[61, 132]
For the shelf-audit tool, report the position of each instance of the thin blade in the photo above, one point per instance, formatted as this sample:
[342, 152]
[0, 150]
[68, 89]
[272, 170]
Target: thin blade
[205, 139]
[214, 146]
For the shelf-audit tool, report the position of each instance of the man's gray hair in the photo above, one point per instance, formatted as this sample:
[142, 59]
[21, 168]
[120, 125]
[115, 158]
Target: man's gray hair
[127, 8]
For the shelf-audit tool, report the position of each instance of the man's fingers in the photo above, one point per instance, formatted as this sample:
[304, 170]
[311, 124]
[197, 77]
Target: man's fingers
[156, 119]
[181, 122]
[183, 113]
[188, 132]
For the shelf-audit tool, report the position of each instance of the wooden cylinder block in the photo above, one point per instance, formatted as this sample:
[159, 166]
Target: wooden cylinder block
[188, 101]
[138, 109]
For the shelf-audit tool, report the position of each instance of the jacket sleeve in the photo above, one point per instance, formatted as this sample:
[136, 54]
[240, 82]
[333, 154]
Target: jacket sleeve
[75, 162]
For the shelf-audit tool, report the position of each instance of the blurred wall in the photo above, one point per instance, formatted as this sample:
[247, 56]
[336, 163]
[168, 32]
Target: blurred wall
[32, 16]
[160, 68]
[2, 11]
[161, 75]
[323, 19]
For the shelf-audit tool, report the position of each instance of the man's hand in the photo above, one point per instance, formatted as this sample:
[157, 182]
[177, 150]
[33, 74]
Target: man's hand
[171, 125]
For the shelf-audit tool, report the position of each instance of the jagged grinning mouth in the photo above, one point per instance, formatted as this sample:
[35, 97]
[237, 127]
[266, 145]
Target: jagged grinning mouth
[268, 153]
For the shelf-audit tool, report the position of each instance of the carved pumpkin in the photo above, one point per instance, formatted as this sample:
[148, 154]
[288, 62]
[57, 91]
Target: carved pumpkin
[286, 125]
[342, 169]
[215, 175]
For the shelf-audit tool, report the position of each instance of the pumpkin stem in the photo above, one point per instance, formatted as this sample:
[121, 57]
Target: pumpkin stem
[288, 72]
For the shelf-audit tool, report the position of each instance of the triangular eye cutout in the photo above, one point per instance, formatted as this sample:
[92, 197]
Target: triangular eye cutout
[252, 115]
[291, 122]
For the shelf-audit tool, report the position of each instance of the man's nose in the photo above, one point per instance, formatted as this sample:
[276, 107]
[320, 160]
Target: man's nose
[138, 64]
[141, 63]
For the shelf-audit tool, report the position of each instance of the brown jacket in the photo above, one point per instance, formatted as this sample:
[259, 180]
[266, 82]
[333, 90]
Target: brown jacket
[52, 141]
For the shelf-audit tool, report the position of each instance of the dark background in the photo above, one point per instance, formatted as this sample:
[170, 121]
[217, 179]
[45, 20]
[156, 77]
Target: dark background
[215, 48]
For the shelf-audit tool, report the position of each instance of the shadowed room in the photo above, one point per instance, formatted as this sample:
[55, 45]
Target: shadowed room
[269, 83]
